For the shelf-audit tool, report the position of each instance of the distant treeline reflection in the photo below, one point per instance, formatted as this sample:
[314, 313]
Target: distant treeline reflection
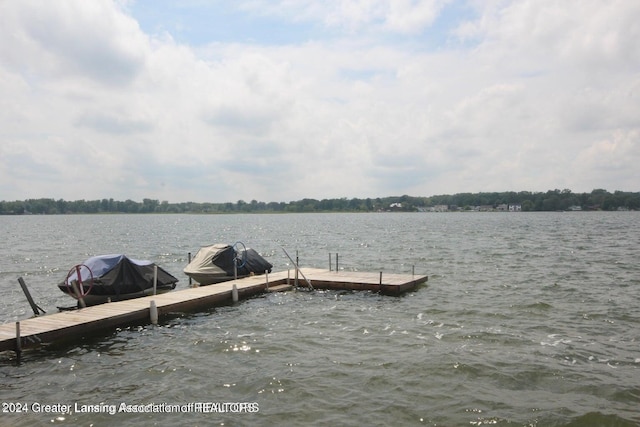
[552, 200]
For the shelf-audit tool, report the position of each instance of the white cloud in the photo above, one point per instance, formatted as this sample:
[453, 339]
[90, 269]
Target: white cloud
[408, 16]
[606, 162]
[73, 40]
[531, 96]
[396, 16]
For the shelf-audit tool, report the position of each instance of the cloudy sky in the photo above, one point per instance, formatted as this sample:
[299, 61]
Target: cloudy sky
[278, 100]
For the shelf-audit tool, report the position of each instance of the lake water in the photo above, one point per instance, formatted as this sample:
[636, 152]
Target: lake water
[528, 319]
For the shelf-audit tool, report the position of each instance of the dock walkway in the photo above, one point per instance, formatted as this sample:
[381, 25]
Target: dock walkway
[78, 323]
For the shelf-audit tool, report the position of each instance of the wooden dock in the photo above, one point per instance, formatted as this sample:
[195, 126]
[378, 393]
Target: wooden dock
[74, 324]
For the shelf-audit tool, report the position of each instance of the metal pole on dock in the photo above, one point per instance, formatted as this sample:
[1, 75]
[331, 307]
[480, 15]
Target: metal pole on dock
[329, 261]
[266, 273]
[189, 258]
[297, 264]
[337, 269]
[18, 342]
[155, 279]
[234, 293]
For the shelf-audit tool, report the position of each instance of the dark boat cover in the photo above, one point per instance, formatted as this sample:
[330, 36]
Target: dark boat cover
[119, 275]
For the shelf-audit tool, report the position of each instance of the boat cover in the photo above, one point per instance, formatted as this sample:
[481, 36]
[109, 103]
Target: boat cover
[120, 275]
[217, 261]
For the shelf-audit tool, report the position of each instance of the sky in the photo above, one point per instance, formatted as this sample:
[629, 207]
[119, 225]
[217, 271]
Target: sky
[280, 100]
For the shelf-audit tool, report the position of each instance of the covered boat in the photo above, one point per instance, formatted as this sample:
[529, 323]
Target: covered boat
[115, 277]
[218, 263]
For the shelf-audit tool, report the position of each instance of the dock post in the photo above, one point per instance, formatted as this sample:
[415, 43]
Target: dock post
[189, 258]
[153, 312]
[329, 261]
[18, 342]
[266, 273]
[381, 278]
[234, 293]
[413, 271]
[297, 265]
[155, 279]
[337, 269]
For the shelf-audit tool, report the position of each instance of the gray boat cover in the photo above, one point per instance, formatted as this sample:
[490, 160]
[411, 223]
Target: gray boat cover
[217, 261]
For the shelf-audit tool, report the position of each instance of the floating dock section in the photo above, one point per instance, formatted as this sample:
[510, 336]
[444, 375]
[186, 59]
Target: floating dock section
[74, 324]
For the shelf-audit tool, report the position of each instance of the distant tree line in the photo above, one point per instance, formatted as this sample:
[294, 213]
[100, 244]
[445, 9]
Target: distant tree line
[552, 200]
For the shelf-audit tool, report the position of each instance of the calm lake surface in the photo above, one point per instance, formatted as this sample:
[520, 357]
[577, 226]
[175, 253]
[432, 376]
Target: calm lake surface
[528, 319]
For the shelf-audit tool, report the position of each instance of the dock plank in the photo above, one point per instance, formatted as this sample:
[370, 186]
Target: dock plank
[80, 322]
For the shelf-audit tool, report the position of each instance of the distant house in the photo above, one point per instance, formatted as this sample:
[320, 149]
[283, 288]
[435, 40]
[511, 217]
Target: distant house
[395, 206]
[509, 208]
[440, 208]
